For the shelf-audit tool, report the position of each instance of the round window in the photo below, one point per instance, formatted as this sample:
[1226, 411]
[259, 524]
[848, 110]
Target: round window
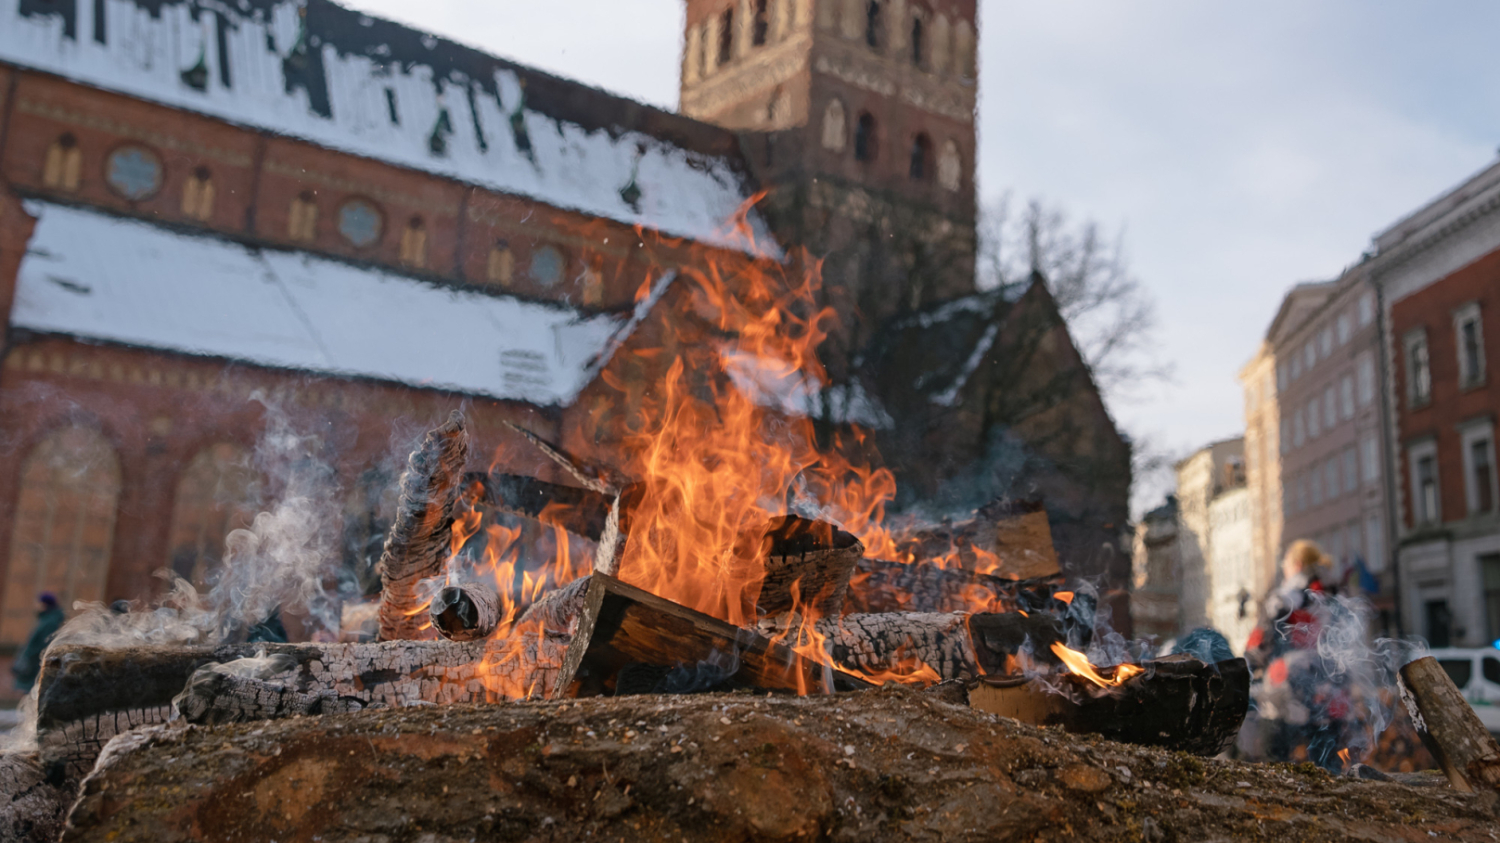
[547, 266]
[359, 222]
[134, 172]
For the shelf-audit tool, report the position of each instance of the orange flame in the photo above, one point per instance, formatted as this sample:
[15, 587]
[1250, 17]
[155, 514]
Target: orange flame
[1064, 596]
[1078, 663]
[1344, 757]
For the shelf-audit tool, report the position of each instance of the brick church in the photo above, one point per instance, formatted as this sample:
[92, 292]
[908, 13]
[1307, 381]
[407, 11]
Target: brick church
[209, 209]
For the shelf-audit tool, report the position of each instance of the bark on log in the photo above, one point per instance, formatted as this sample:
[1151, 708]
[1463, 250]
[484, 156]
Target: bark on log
[879, 585]
[1466, 751]
[1015, 535]
[33, 801]
[880, 643]
[580, 511]
[622, 627]
[217, 693]
[420, 536]
[88, 695]
[808, 565]
[465, 612]
[722, 767]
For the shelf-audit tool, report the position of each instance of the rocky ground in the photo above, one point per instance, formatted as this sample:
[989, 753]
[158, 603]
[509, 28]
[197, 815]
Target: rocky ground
[893, 764]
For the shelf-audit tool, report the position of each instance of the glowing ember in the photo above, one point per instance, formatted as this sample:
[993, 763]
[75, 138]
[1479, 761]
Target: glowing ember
[1078, 663]
[1064, 596]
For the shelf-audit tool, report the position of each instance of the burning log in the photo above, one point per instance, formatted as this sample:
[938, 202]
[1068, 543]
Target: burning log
[88, 695]
[1177, 703]
[582, 512]
[624, 634]
[879, 766]
[466, 612]
[807, 564]
[36, 802]
[879, 585]
[243, 690]
[419, 538]
[1466, 751]
[1011, 539]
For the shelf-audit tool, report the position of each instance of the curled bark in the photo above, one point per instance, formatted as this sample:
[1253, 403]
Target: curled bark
[420, 536]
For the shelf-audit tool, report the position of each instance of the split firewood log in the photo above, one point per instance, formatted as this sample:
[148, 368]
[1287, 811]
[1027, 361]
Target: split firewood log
[466, 612]
[623, 629]
[879, 766]
[247, 689]
[33, 801]
[419, 539]
[1467, 752]
[807, 565]
[880, 585]
[1012, 537]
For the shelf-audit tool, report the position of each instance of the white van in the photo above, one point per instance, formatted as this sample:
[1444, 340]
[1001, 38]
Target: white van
[1477, 674]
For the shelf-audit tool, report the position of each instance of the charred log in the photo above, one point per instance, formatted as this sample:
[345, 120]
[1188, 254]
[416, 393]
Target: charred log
[621, 626]
[1177, 703]
[420, 536]
[34, 800]
[879, 585]
[1011, 539]
[900, 642]
[465, 612]
[1466, 751]
[807, 564]
[237, 693]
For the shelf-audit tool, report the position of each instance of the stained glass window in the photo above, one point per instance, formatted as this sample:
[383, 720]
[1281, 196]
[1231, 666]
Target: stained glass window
[134, 172]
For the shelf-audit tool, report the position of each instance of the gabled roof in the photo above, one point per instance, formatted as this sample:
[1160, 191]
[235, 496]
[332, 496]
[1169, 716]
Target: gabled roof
[1299, 301]
[100, 277]
[316, 71]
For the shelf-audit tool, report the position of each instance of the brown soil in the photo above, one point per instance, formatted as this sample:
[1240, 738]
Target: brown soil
[892, 764]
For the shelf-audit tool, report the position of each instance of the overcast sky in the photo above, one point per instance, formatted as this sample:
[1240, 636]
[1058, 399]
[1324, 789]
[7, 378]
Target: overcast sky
[1243, 147]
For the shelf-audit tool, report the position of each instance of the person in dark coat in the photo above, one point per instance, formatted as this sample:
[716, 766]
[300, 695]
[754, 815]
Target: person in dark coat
[28, 663]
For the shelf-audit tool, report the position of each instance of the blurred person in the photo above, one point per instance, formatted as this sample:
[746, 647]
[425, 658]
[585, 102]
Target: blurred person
[1287, 619]
[28, 663]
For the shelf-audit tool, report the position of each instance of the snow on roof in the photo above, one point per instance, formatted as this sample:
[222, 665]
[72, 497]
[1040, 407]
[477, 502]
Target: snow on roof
[313, 70]
[100, 277]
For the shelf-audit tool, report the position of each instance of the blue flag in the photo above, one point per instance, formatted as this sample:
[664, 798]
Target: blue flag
[1368, 582]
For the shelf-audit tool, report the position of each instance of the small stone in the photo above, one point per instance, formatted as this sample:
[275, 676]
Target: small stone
[1241, 784]
[572, 781]
[724, 720]
[675, 750]
[849, 749]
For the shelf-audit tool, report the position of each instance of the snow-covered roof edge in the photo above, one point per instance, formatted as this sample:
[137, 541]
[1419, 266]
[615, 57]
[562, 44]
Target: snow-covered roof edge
[316, 71]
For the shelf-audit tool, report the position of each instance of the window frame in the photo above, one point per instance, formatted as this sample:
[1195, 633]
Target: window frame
[1416, 452]
[1469, 314]
[1470, 434]
[1418, 381]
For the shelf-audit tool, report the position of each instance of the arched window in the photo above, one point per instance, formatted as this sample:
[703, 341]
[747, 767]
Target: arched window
[950, 167]
[918, 41]
[302, 218]
[64, 164]
[872, 24]
[834, 130]
[217, 493]
[760, 25]
[360, 222]
[921, 158]
[64, 526]
[198, 195]
[547, 265]
[501, 267]
[963, 50]
[591, 285]
[692, 57]
[939, 44]
[866, 145]
[726, 36]
[414, 244]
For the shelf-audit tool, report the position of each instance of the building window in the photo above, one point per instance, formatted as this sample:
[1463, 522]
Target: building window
[198, 195]
[1345, 328]
[866, 145]
[63, 168]
[1317, 486]
[1374, 543]
[547, 266]
[500, 269]
[1346, 397]
[217, 494]
[1325, 343]
[1351, 470]
[1314, 420]
[1302, 493]
[1331, 478]
[760, 25]
[1330, 408]
[726, 36]
[1296, 367]
[1466, 327]
[921, 158]
[1479, 467]
[134, 172]
[414, 244]
[1286, 439]
[1365, 372]
[1299, 434]
[834, 130]
[360, 222]
[1440, 625]
[1489, 571]
[1366, 309]
[950, 171]
[918, 42]
[872, 24]
[591, 286]
[1371, 458]
[1424, 484]
[64, 526]
[1281, 379]
[1309, 356]
[302, 219]
[1418, 369]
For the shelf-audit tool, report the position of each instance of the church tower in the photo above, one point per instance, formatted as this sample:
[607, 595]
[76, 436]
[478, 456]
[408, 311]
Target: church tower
[859, 117]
